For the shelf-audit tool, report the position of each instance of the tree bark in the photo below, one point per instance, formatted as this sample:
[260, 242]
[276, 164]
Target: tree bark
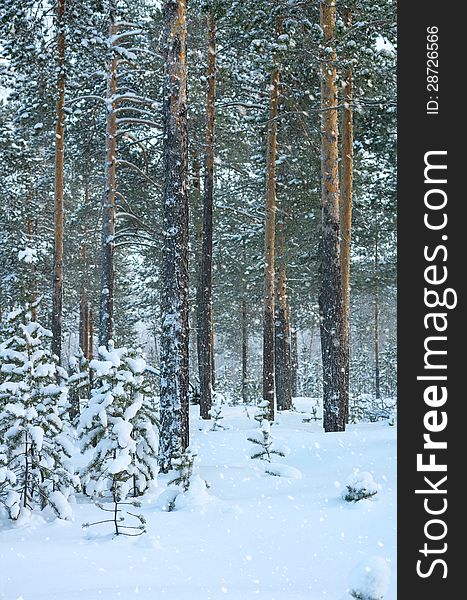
[57, 301]
[269, 242]
[90, 320]
[198, 234]
[83, 328]
[206, 329]
[282, 351]
[106, 316]
[377, 323]
[346, 212]
[294, 362]
[244, 351]
[174, 436]
[330, 299]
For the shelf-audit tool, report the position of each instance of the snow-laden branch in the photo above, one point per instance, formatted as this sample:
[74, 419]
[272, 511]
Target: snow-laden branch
[120, 36]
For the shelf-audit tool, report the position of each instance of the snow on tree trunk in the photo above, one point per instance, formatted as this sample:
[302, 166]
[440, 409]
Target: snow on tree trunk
[174, 435]
[330, 298]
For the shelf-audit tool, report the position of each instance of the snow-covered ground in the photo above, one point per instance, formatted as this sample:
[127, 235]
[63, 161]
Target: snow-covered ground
[254, 537]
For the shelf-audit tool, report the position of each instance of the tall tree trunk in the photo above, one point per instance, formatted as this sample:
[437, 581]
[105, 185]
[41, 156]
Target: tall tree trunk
[346, 212]
[90, 321]
[269, 240]
[31, 292]
[106, 316]
[197, 211]
[174, 436]
[83, 325]
[244, 350]
[84, 309]
[282, 351]
[377, 323]
[206, 329]
[330, 299]
[294, 362]
[57, 303]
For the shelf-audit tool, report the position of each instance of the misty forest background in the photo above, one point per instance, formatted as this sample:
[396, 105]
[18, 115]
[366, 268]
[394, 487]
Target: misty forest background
[288, 128]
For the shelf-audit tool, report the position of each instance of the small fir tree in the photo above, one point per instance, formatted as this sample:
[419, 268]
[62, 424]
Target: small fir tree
[33, 473]
[264, 443]
[119, 428]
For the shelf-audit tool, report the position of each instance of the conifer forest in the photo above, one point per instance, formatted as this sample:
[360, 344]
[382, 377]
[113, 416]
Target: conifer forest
[197, 299]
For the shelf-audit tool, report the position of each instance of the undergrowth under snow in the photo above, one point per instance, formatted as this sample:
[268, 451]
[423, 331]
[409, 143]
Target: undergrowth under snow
[249, 535]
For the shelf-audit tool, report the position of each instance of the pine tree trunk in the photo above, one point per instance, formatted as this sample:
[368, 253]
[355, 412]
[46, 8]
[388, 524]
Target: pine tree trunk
[206, 331]
[244, 318]
[91, 334]
[282, 351]
[174, 435]
[106, 316]
[346, 212]
[83, 327]
[294, 362]
[377, 324]
[84, 309]
[198, 233]
[32, 295]
[330, 299]
[269, 242]
[57, 302]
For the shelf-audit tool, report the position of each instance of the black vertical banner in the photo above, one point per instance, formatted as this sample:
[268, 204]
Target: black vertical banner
[431, 305]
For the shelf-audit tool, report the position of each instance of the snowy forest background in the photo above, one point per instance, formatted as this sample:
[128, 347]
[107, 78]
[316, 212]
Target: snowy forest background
[128, 385]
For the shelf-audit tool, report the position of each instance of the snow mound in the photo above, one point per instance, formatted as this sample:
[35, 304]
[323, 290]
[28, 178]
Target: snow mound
[360, 485]
[369, 580]
[196, 497]
[280, 470]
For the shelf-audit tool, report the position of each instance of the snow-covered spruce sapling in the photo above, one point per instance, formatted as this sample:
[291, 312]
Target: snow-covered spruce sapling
[360, 486]
[262, 412]
[369, 580]
[264, 447]
[119, 429]
[34, 446]
[183, 478]
[216, 416]
[183, 467]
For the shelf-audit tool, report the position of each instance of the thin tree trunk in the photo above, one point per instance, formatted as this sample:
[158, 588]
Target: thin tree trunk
[282, 351]
[206, 330]
[269, 241]
[84, 309]
[106, 317]
[174, 436]
[90, 320]
[57, 303]
[294, 362]
[32, 283]
[346, 212]
[83, 328]
[377, 324]
[330, 299]
[198, 232]
[244, 352]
